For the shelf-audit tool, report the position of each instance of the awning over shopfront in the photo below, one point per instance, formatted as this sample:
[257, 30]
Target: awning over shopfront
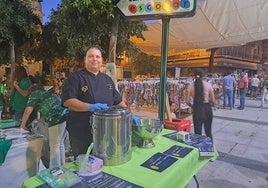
[218, 62]
[222, 62]
[216, 23]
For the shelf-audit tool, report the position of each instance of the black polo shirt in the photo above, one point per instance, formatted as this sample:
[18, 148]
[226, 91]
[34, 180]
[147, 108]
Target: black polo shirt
[88, 88]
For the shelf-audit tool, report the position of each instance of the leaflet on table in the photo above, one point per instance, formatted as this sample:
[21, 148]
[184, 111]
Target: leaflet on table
[178, 151]
[159, 162]
[203, 143]
[59, 177]
[104, 180]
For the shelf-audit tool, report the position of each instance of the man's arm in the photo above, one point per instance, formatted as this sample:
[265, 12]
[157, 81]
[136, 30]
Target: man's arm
[123, 104]
[76, 105]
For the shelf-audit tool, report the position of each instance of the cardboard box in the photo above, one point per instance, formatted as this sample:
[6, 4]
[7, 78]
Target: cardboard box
[178, 124]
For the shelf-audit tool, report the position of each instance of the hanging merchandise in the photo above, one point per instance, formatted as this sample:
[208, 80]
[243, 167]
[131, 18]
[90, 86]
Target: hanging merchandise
[146, 92]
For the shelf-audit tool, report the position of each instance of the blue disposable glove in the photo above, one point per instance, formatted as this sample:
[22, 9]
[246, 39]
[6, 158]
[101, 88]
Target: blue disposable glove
[136, 120]
[97, 107]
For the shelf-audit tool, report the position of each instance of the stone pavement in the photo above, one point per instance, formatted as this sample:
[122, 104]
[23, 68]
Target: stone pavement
[241, 138]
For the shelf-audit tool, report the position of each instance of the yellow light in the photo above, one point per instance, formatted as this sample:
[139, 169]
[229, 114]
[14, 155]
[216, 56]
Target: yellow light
[166, 6]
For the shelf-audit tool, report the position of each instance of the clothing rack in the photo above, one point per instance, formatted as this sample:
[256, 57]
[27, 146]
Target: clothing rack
[146, 92]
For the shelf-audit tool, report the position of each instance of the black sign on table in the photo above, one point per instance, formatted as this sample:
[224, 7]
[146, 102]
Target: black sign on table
[203, 143]
[104, 180]
[159, 162]
[178, 151]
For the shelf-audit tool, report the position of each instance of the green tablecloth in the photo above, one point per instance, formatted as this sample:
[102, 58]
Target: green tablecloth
[4, 147]
[177, 175]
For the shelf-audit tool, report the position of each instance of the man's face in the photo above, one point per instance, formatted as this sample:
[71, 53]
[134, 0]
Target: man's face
[93, 60]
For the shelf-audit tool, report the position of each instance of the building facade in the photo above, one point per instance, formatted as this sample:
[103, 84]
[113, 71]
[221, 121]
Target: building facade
[252, 58]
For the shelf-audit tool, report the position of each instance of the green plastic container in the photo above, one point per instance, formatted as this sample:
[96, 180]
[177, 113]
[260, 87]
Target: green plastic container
[8, 123]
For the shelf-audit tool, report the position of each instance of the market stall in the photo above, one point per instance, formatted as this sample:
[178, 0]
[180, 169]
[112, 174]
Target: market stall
[177, 173]
[20, 156]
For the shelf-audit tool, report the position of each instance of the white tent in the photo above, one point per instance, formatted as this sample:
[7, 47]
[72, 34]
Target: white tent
[217, 23]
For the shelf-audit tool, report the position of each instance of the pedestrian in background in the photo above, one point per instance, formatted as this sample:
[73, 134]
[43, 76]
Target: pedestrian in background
[264, 92]
[255, 83]
[200, 97]
[228, 89]
[243, 89]
[235, 89]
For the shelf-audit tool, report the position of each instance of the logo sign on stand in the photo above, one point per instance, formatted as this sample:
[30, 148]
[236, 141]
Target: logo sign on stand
[156, 9]
[135, 10]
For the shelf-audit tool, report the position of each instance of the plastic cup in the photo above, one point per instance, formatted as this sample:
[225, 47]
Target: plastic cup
[83, 169]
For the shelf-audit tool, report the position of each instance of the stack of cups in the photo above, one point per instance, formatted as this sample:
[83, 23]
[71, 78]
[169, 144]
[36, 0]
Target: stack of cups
[83, 168]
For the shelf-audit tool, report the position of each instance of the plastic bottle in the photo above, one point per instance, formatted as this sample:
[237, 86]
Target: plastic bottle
[1, 110]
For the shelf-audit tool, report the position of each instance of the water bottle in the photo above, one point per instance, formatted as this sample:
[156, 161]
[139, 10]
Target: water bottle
[191, 101]
[1, 110]
[35, 126]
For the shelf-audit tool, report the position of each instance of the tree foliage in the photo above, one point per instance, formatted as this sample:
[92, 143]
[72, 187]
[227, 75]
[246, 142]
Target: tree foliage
[146, 64]
[82, 23]
[75, 25]
[48, 49]
[18, 25]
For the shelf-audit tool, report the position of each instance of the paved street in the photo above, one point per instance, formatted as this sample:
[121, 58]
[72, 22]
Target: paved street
[241, 138]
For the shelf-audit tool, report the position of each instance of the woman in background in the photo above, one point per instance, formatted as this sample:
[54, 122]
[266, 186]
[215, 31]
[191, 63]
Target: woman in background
[19, 96]
[172, 106]
[201, 97]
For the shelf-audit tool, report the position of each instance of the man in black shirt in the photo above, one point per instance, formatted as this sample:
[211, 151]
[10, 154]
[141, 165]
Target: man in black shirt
[84, 92]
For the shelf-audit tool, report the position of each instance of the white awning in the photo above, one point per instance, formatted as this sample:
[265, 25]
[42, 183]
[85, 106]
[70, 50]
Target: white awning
[217, 23]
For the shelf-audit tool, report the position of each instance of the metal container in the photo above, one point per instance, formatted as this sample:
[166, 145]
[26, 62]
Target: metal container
[148, 130]
[112, 130]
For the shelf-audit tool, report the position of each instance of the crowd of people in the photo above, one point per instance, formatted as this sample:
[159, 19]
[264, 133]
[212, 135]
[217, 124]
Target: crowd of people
[254, 87]
[201, 95]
